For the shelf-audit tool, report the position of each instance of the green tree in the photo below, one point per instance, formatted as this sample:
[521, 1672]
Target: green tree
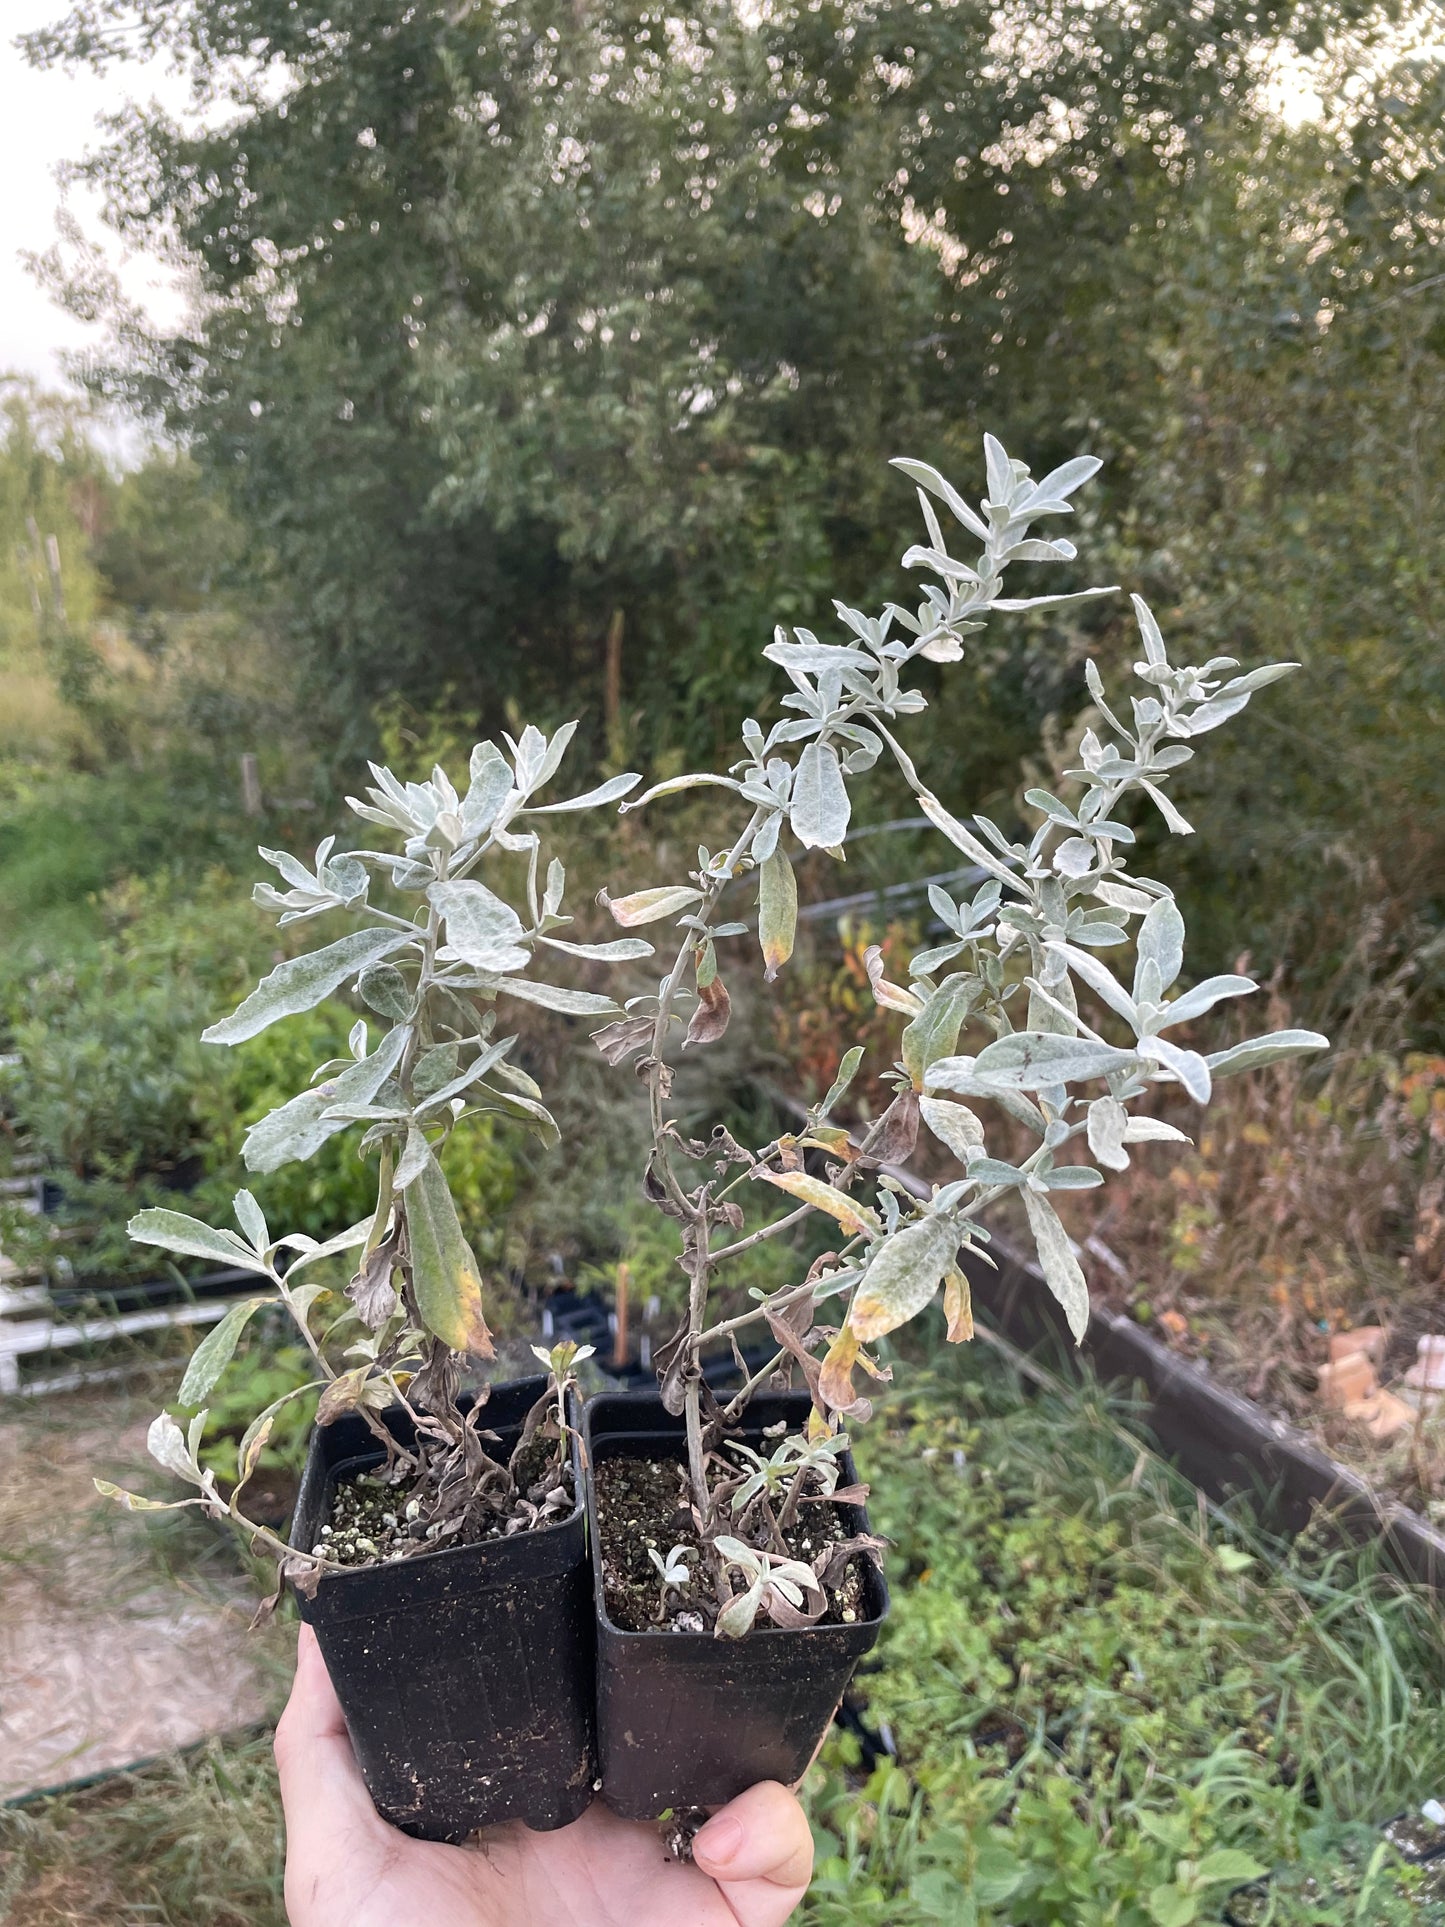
[520, 314]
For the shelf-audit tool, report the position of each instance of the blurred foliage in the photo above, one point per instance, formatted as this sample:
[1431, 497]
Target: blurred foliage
[124, 1105]
[1095, 1698]
[261, 1374]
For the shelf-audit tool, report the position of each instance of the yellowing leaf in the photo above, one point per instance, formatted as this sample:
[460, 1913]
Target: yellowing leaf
[835, 1382]
[445, 1280]
[343, 1394]
[903, 1277]
[889, 996]
[856, 1219]
[777, 912]
[647, 906]
[957, 1308]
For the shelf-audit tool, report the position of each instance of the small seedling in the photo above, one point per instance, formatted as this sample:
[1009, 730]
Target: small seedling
[674, 1573]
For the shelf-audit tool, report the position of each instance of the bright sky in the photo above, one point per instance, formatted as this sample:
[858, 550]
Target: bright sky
[47, 118]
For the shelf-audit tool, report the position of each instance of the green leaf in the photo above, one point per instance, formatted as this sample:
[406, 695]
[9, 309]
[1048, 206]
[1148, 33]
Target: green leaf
[1107, 1126]
[1057, 1261]
[954, 1125]
[174, 1231]
[384, 990]
[847, 1071]
[1178, 823]
[252, 1220]
[1171, 1906]
[962, 838]
[1153, 1130]
[296, 1131]
[1160, 941]
[1154, 651]
[929, 478]
[903, 1277]
[820, 810]
[446, 1282]
[1033, 1060]
[675, 783]
[215, 1351]
[1270, 1049]
[607, 792]
[491, 784]
[996, 1171]
[1194, 1003]
[413, 1159]
[933, 1033]
[516, 1104]
[302, 982]
[957, 1074]
[777, 912]
[998, 1873]
[1228, 1863]
[623, 950]
[481, 929]
[572, 1003]
[310, 1251]
[1187, 1065]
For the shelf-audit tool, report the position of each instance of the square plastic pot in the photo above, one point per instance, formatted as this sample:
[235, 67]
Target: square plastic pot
[466, 1676]
[690, 1720]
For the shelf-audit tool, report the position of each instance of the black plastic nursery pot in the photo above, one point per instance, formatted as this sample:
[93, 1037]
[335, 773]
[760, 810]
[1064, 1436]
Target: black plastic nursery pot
[466, 1676]
[690, 1720]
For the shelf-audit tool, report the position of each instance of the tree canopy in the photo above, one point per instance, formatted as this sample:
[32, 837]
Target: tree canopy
[513, 319]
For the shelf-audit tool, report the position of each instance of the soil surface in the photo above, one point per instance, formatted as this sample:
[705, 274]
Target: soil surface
[373, 1521]
[642, 1508]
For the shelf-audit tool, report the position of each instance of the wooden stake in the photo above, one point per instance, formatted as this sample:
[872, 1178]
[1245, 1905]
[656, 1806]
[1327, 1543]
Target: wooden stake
[619, 1342]
[612, 680]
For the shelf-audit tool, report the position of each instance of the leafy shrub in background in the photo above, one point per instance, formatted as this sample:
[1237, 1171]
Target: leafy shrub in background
[123, 1103]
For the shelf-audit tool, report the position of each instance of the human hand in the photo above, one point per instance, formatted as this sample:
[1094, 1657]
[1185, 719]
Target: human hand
[345, 1867]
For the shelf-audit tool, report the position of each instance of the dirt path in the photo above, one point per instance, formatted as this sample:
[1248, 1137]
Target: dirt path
[121, 1635]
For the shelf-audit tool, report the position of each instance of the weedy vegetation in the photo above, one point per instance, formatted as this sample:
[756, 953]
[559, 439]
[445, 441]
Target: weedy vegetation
[1107, 1709]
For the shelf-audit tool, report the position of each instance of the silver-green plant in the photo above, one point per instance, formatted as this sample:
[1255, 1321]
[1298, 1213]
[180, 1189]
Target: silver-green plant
[1050, 919]
[431, 961]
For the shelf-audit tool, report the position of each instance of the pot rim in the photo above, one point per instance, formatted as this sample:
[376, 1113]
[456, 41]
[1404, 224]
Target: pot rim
[433, 1559]
[709, 1642]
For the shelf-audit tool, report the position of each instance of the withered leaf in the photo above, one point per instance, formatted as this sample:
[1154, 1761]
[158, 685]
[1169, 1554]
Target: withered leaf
[898, 1133]
[831, 1564]
[710, 1019]
[957, 1308]
[371, 1290]
[343, 1394]
[618, 1041]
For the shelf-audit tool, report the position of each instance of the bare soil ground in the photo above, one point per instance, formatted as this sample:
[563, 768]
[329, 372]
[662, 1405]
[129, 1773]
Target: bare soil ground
[122, 1635]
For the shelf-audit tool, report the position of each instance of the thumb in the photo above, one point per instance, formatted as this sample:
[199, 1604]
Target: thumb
[759, 1851]
[322, 1791]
